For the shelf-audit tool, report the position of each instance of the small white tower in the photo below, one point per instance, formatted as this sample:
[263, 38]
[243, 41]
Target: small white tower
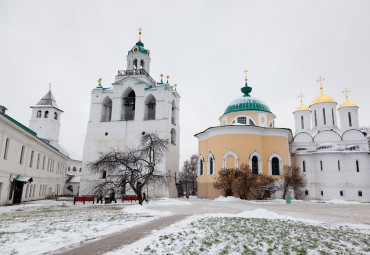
[302, 117]
[45, 119]
[138, 57]
[348, 114]
[323, 111]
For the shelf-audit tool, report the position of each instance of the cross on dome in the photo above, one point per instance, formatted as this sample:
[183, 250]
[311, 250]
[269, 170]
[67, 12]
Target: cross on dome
[245, 72]
[346, 91]
[321, 79]
[301, 96]
[140, 29]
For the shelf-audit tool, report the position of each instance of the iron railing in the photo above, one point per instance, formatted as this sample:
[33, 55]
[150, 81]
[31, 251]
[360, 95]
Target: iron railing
[136, 72]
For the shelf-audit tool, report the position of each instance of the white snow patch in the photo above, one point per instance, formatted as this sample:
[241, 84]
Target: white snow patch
[340, 201]
[227, 199]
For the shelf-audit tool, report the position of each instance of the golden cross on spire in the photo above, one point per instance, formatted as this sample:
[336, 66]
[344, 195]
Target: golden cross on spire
[301, 96]
[320, 79]
[49, 86]
[346, 91]
[245, 72]
[140, 33]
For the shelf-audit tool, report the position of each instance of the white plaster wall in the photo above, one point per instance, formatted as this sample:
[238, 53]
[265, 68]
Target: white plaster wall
[11, 167]
[328, 106]
[344, 121]
[47, 128]
[306, 121]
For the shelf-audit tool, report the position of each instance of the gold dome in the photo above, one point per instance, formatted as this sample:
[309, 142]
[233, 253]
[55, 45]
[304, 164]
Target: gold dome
[323, 98]
[347, 102]
[302, 108]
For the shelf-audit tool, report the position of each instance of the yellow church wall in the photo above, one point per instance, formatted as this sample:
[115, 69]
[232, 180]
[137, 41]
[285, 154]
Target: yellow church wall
[243, 145]
[252, 115]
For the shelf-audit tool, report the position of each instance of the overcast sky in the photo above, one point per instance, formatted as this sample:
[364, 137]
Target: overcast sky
[203, 45]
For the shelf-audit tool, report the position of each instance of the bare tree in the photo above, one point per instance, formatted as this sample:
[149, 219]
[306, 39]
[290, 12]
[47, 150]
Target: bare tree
[225, 180]
[134, 166]
[293, 179]
[244, 182]
[189, 175]
[264, 186]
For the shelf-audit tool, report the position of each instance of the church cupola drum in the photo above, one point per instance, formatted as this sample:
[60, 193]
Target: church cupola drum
[133, 104]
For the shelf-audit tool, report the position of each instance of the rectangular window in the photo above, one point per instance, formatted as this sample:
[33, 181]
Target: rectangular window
[349, 119]
[6, 148]
[338, 165]
[322, 193]
[33, 191]
[304, 166]
[332, 115]
[40, 190]
[323, 115]
[43, 163]
[48, 167]
[302, 122]
[38, 161]
[321, 168]
[28, 186]
[315, 119]
[22, 154]
[1, 188]
[31, 160]
[357, 166]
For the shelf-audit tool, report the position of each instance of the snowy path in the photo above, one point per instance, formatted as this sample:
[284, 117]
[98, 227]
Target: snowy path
[120, 239]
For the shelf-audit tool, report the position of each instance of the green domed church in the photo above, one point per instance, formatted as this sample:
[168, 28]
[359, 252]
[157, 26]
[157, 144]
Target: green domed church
[246, 135]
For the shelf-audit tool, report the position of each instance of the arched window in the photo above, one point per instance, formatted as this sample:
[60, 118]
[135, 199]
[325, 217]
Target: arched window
[254, 165]
[201, 166]
[150, 105]
[128, 108]
[230, 160]
[306, 192]
[106, 109]
[315, 118]
[173, 136]
[341, 193]
[211, 165]
[173, 113]
[55, 115]
[302, 122]
[80, 169]
[360, 193]
[142, 64]
[323, 115]
[38, 115]
[242, 120]
[135, 64]
[104, 175]
[275, 166]
[74, 169]
[69, 168]
[349, 119]
[46, 114]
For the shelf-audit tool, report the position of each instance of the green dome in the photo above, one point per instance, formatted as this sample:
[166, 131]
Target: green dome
[247, 104]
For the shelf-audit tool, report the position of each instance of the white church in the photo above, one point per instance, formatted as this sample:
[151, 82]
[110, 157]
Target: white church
[335, 158]
[135, 103]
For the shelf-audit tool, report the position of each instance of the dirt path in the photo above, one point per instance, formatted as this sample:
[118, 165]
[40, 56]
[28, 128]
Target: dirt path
[117, 240]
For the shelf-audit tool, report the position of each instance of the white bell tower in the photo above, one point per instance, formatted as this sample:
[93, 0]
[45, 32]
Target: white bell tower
[45, 118]
[138, 57]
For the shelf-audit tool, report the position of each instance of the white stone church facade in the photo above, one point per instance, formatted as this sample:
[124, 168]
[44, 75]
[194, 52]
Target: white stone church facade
[134, 104]
[335, 158]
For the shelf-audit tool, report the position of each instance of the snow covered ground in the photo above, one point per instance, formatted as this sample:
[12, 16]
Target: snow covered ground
[251, 232]
[221, 226]
[47, 225]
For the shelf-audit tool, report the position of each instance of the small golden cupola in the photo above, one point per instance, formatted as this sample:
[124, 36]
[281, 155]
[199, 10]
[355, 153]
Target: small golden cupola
[323, 97]
[302, 107]
[347, 102]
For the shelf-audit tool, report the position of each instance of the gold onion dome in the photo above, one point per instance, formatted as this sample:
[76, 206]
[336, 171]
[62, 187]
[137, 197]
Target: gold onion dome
[323, 97]
[347, 102]
[302, 107]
